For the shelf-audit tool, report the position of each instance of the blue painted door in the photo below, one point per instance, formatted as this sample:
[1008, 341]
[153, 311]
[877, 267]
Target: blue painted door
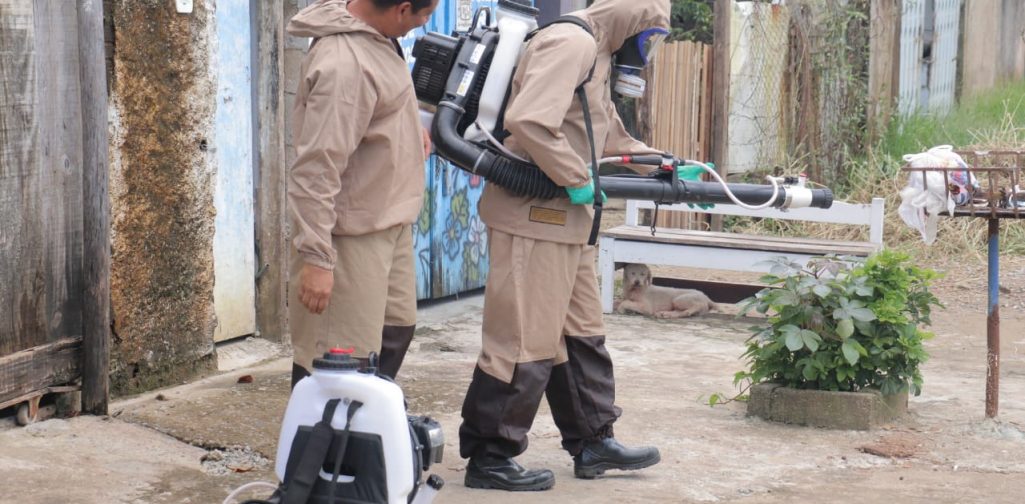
[234, 243]
[423, 228]
[460, 237]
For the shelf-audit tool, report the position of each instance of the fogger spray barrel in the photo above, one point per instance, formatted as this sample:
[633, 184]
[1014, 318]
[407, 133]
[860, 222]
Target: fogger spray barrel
[663, 191]
[525, 179]
[450, 74]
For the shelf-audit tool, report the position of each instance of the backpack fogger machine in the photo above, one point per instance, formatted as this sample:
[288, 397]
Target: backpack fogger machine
[466, 79]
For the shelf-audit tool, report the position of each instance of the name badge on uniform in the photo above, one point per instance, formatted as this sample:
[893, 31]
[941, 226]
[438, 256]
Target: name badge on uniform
[548, 216]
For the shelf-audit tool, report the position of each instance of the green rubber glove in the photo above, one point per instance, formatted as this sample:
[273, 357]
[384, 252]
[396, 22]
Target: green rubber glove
[584, 195]
[693, 173]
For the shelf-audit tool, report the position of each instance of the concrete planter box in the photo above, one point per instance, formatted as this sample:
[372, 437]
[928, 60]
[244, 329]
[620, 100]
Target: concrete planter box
[821, 408]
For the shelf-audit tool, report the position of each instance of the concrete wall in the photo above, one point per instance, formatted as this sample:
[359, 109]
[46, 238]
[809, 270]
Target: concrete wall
[161, 190]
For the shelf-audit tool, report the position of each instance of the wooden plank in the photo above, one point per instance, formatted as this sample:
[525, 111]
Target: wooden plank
[96, 211]
[21, 325]
[38, 393]
[840, 213]
[981, 35]
[884, 58]
[40, 175]
[700, 256]
[720, 91]
[742, 241]
[37, 368]
[271, 283]
[720, 292]
[1012, 41]
[705, 133]
[993, 44]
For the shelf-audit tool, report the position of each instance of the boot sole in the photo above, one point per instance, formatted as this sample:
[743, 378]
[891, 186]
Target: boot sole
[593, 471]
[485, 484]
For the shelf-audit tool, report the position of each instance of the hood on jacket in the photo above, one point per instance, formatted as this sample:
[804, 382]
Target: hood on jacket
[614, 21]
[326, 17]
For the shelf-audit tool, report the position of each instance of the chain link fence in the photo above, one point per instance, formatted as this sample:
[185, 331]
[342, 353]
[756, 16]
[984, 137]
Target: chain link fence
[798, 86]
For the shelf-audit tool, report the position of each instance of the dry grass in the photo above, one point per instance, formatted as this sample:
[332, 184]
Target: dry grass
[878, 174]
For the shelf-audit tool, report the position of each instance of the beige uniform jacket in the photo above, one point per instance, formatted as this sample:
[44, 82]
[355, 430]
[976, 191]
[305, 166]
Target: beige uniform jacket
[359, 165]
[546, 120]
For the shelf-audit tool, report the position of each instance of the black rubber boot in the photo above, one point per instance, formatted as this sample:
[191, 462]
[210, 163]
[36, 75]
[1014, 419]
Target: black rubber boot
[600, 455]
[298, 373]
[503, 473]
[395, 342]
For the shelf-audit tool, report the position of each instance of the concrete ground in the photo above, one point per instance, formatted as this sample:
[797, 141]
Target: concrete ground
[196, 442]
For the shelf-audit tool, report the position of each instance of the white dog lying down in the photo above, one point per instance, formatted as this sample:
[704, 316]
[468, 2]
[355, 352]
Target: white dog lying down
[662, 302]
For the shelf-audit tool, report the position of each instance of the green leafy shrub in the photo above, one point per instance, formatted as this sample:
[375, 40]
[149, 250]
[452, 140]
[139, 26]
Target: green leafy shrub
[832, 326]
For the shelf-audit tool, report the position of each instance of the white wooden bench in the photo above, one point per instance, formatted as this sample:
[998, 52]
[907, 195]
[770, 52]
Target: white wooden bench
[633, 243]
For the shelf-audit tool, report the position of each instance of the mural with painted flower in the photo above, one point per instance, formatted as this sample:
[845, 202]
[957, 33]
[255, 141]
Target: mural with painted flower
[462, 244]
[475, 251]
[451, 242]
[422, 240]
[456, 224]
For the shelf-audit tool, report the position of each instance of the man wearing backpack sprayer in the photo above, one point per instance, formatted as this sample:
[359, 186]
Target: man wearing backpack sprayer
[543, 331]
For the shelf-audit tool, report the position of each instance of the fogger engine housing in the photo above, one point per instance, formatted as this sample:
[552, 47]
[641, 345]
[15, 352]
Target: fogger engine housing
[465, 78]
[476, 79]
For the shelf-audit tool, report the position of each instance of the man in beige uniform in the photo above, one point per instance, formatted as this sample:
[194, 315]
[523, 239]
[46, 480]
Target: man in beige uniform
[543, 331]
[357, 183]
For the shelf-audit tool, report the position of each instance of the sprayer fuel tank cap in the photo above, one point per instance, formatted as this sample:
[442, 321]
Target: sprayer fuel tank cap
[337, 359]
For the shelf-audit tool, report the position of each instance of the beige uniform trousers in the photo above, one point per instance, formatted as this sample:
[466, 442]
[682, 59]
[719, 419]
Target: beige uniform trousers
[374, 286]
[537, 293]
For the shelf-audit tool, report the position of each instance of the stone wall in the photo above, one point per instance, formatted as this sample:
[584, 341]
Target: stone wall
[161, 189]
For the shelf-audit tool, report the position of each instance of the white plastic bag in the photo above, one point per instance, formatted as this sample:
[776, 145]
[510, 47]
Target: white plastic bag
[927, 194]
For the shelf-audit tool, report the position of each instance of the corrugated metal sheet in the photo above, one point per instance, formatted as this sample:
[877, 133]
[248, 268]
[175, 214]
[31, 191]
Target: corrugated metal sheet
[911, 32]
[943, 71]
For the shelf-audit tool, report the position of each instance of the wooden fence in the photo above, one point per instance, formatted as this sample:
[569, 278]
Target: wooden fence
[675, 113]
[54, 250]
[994, 44]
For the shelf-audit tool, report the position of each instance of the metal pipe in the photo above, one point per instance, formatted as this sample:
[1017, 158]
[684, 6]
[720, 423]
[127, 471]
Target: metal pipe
[993, 322]
[704, 192]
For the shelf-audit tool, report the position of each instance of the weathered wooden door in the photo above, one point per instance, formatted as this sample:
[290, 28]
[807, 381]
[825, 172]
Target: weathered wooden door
[234, 241]
[41, 226]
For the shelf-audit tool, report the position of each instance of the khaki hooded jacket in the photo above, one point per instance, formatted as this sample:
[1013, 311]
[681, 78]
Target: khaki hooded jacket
[360, 160]
[546, 120]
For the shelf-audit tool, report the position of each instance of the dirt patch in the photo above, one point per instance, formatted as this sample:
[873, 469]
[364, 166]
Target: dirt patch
[899, 445]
